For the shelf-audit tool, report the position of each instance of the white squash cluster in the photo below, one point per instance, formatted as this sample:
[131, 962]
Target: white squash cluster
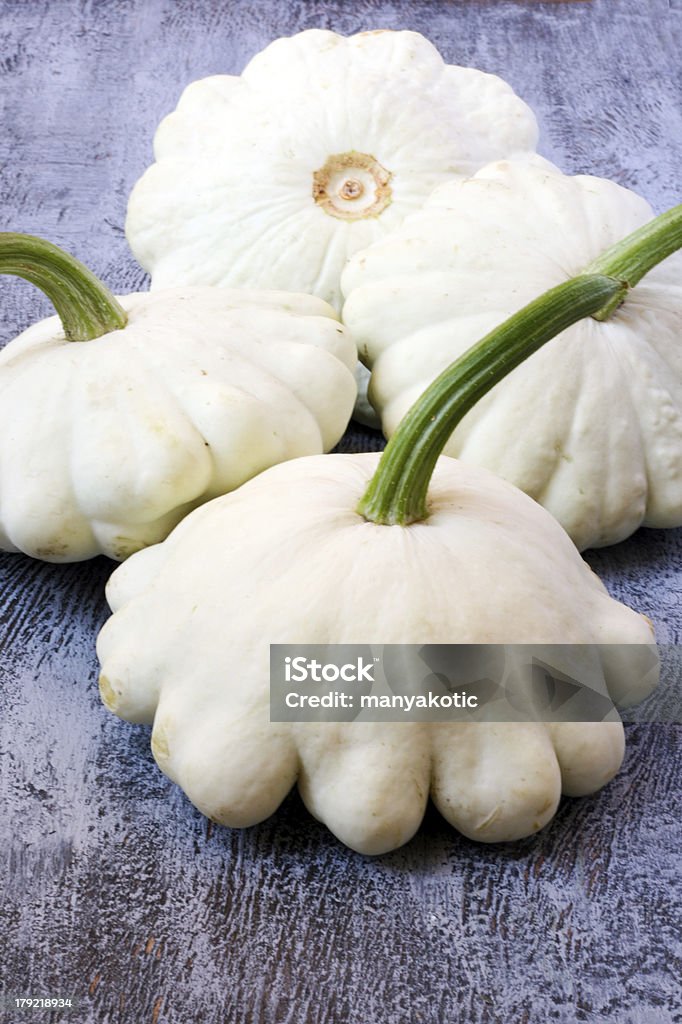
[364, 165]
[327, 149]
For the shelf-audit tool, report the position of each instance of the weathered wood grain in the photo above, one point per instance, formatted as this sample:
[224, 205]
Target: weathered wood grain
[115, 889]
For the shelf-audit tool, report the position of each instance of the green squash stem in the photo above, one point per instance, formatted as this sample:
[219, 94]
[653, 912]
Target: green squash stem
[86, 308]
[397, 493]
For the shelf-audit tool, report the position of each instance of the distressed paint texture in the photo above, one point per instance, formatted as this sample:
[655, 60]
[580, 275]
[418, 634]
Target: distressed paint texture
[115, 888]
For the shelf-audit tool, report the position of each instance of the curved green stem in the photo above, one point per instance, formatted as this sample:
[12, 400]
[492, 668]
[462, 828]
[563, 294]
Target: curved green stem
[397, 493]
[633, 257]
[86, 308]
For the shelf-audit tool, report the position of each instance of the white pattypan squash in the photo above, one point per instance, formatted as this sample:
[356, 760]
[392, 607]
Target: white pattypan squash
[288, 559]
[273, 178]
[590, 425]
[106, 443]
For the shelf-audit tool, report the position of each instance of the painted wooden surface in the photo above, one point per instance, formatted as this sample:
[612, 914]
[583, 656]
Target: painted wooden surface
[115, 889]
